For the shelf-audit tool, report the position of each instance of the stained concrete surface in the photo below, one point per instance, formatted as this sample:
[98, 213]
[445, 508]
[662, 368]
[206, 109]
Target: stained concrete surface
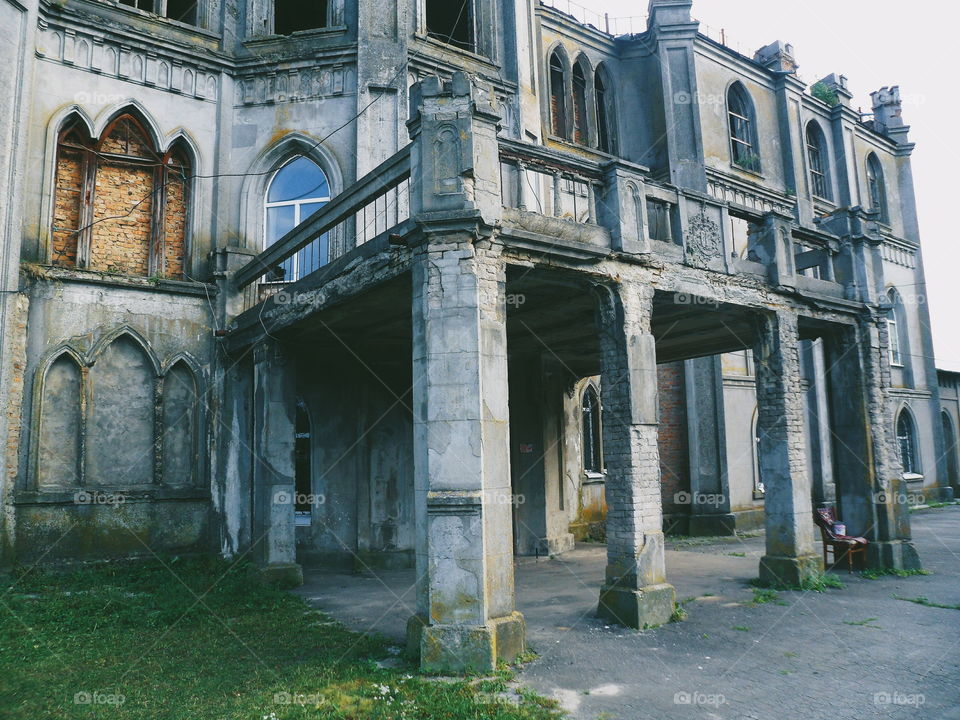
[847, 654]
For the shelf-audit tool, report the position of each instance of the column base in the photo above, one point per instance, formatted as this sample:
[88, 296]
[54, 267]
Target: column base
[287, 575]
[893, 555]
[789, 572]
[712, 524]
[466, 648]
[939, 494]
[648, 606]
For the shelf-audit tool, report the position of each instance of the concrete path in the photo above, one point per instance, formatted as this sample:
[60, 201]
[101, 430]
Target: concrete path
[847, 654]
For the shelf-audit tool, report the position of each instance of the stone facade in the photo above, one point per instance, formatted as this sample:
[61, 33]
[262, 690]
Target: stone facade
[392, 363]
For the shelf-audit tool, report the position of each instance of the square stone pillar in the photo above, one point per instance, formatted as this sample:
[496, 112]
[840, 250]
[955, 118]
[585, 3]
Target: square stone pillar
[465, 600]
[274, 405]
[870, 489]
[790, 559]
[635, 592]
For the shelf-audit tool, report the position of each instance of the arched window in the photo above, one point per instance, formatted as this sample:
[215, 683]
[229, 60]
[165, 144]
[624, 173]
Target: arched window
[558, 100]
[604, 113]
[876, 188]
[817, 158]
[907, 443]
[120, 206]
[743, 132]
[591, 428]
[296, 191]
[896, 330]
[580, 131]
[950, 447]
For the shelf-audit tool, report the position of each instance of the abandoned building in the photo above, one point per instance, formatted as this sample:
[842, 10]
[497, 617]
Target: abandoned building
[417, 284]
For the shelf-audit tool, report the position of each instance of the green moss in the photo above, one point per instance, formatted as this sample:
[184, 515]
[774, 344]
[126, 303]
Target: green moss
[824, 93]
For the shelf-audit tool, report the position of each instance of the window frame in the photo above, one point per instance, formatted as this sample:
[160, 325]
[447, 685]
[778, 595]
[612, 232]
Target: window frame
[294, 260]
[895, 349]
[591, 432]
[818, 162]
[877, 187]
[910, 464]
[557, 77]
[161, 8]
[742, 130]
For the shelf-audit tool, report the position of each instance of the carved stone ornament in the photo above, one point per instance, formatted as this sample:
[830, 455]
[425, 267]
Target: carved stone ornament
[703, 240]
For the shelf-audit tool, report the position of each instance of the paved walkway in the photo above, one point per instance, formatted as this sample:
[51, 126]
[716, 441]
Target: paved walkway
[847, 654]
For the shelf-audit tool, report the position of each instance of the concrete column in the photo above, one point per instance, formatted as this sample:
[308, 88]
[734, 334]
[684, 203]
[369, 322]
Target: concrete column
[635, 592]
[870, 491]
[466, 618]
[790, 559]
[707, 443]
[274, 408]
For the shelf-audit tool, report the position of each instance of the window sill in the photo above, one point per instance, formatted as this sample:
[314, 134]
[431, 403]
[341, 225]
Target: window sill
[311, 34]
[132, 12]
[912, 477]
[181, 287]
[440, 46]
[748, 171]
[593, 478]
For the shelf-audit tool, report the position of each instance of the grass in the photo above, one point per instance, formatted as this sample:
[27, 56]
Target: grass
[874, 573]
[737, 554]
[741, 628]
[762, 596]
[210, 641]
[863, 623]
[927, 603]
[818, 583]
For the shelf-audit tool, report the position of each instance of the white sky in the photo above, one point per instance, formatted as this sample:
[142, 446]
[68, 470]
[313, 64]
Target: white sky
[874, 43]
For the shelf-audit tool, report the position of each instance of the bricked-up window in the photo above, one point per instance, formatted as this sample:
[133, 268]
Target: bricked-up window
[591, 428]
[120, 206]
[579, 105]
[451, 22]
[290, 16]
[817, 158]
[743, 131]
[558, 99]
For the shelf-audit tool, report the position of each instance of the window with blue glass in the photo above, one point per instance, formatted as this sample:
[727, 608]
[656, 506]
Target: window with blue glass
[297, 190]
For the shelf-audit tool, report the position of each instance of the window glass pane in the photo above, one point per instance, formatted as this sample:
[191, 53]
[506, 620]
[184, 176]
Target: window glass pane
[298, 180]
[308, 209]
[280, 221]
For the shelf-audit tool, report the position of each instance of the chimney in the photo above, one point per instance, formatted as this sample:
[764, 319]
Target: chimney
[836, 84]
[669, 12]
[777, 56]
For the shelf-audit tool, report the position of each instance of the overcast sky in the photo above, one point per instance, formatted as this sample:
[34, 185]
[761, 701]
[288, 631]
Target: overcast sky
[874, 43]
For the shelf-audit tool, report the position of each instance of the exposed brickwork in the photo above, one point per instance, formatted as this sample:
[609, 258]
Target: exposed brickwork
[68, 198]
[174, 225]
[16, 341]
[672, 435]
[121, 244]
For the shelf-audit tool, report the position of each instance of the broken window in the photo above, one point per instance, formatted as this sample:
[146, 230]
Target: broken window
[184, 11]
[876, 187]
[817, 158]
[119, 206]
[558, 100]
[298, 190]
[907, 444]
[659, 220]
[290, 16]
[604, 113]
[591, 427]
[145, 5]
[580, 132]
[451, 22]
[743, 138]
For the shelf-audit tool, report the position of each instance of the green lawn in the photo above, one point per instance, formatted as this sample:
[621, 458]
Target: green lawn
[196, 639]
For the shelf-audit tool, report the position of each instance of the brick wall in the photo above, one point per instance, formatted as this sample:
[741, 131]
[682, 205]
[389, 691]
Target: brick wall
[67, 202]
[672, 436]
[121, 244]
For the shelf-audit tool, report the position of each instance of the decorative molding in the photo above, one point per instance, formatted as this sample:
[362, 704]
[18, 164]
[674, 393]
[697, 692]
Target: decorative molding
[703, 240]
[94, 54]
[898, 253]
[292, 84]
[729, 191]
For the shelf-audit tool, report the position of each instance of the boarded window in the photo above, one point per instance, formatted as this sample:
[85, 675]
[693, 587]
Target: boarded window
[70, 193]
[58, 451]
[558, 103]
[120, 435]
[580, 133]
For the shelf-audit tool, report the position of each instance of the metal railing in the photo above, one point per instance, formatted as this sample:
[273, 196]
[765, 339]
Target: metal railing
[630, 25]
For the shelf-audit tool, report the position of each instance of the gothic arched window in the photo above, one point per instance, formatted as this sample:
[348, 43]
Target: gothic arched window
[907, 443]
[558, 97]
[297, 190]
[817, 159]
[591, 428]
[876, 187]
[743, 131]
[604, 100]
[580, 129]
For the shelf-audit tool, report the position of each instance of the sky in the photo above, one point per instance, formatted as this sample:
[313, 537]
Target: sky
[874, 43]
